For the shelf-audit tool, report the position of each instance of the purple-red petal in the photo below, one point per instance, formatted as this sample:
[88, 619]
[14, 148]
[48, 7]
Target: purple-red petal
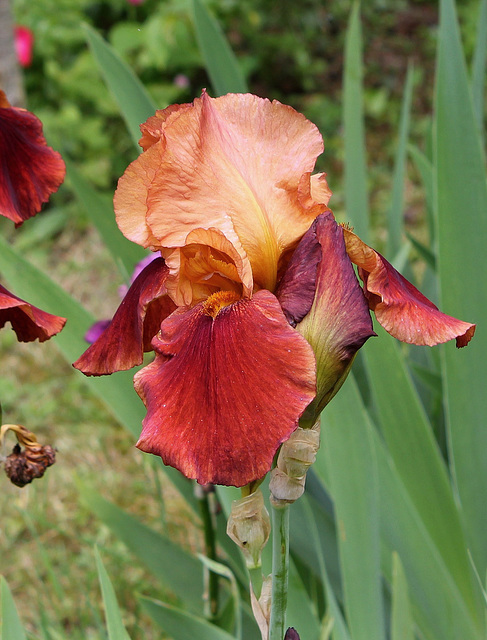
[30, 171]
[225, 390]
[339, 321]
[399, 307]
[29, 322]
[296, 290]
[138, 318]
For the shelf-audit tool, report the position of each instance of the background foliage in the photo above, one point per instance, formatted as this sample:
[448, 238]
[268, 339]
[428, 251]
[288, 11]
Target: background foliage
[410, 419]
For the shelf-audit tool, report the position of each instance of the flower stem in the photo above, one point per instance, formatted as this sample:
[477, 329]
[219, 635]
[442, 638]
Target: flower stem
[280, 570]
[210, 552]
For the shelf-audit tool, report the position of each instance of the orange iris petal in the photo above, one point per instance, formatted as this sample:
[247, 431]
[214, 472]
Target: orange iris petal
[400, 308]
[238, 164]
[226, 388]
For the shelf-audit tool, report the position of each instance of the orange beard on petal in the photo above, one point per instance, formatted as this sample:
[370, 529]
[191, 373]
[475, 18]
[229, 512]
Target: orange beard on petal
[216, 302]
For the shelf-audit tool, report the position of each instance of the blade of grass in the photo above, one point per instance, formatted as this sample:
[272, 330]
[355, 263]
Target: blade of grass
[132, 98]
[350, 462]
[395, 215]
[115, 626]
[425, 168]
[171, 565]
[100, 210]
[11, 626]
[181, 625]
[221, 64]
[438, 608]
[411, 443]
[461, 216]
[357, 210]
[115, 391]
[478, 68]
[402, 625]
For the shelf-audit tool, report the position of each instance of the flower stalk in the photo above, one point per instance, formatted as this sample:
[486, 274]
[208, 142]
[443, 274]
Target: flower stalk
[204, 498]
[280, 571]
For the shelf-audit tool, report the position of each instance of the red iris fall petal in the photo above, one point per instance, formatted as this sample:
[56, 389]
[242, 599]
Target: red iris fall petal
[30, 171]
[226, 388]
[121, 346]
[28, 322]
[399, 307]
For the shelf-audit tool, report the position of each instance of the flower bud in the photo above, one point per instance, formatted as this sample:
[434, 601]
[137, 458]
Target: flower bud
[295, 457]
[249, 527]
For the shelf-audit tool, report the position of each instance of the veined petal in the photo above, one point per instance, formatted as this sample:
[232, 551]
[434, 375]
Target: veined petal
[400, 308]
[28, 322]
[339, 322]
[297, 288]
[153, 129]
[235, 164]
[136, 321]
[226, 388]
[29, 170]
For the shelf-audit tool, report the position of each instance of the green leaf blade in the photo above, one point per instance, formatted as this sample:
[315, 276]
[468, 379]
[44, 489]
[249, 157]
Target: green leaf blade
[402, 624]
[101, 214]
[179, 571]
[131, 96]
[356, 201]
[222, 65]
[395, 217]
[412, 446]
[182, 625]
[11, 627]
[115, 626]
[350, 462]
[461, 216]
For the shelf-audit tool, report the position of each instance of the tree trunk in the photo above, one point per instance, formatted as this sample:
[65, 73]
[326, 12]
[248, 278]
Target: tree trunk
[10, 73]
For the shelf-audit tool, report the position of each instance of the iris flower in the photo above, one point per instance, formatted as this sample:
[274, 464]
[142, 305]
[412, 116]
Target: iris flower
[254, 310]
[29, 172]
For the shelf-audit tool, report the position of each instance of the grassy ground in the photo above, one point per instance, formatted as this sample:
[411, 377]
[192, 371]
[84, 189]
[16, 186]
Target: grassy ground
[47, 536]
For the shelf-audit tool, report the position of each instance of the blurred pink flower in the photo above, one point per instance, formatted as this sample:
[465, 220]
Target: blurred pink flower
[181, 81]
[135, 2]
[24, 45]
